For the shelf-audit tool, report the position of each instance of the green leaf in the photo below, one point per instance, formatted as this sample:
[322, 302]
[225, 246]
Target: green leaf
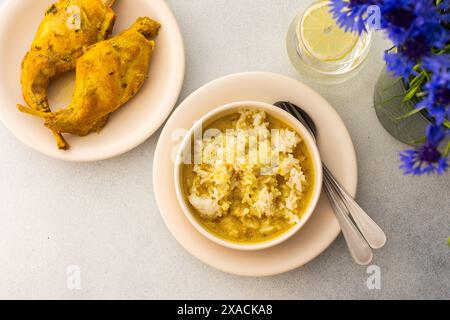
[417, 79]
[421, 94]
[447, 123]
[420, 141]
[447, 150]
[445, 50]
[409, 114]
[411, 93]
[388, 100]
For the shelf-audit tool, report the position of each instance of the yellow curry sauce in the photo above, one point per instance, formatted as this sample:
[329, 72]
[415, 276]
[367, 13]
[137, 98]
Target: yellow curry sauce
[242, 218]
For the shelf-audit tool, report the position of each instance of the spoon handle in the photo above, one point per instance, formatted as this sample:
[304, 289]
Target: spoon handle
[373, 234]
[358, 247]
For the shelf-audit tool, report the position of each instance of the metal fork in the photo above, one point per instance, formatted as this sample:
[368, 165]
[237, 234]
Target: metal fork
[366, 233]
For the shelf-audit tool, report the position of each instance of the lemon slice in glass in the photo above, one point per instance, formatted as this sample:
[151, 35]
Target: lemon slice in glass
[322, 37]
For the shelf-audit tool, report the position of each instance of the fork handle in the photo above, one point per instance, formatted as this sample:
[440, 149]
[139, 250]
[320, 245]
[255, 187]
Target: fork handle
[359, 249]
[373, 234]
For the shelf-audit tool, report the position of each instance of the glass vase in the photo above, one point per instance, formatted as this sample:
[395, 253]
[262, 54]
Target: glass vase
[396, 116]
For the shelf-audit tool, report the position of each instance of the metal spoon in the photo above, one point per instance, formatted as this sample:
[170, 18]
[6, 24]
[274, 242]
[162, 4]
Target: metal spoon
[343, 204]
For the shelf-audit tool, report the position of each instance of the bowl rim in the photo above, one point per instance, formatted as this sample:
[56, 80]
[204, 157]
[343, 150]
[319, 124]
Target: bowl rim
[294, 124]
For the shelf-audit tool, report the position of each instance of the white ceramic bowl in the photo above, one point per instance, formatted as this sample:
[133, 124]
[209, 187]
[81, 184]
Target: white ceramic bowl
[278, 114]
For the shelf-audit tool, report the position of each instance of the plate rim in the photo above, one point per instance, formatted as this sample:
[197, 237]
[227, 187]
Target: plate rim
[149, 133]
[200, 90]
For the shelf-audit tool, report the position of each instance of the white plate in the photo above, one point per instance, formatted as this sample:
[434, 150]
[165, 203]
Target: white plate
[129, 126]
[336, 149]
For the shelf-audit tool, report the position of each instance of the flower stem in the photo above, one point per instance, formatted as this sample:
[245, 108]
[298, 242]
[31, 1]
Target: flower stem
[447, 150]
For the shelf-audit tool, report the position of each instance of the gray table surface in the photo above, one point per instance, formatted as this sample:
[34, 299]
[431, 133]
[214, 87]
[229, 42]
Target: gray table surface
[103, 217]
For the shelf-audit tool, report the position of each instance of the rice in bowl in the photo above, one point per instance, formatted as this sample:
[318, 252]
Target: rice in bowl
[251, 179]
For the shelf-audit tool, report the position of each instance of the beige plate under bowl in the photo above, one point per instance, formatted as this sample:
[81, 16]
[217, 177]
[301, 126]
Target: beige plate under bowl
[335, 146]
[129, 126]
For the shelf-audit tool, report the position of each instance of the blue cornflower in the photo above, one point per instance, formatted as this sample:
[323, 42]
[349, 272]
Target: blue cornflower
[413, 51]
[437, 100]
[435, 134]
[403, 19]
[410, 53]
[399, 17]
[351, 14]
[415, 28]
[399, 64]
[436, 34]
[437, 63]
[427, 159]
[444, 5]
